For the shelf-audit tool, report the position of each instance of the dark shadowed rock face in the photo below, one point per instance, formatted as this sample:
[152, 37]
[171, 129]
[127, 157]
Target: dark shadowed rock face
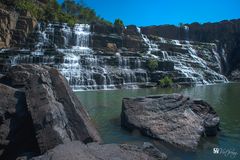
[57, 114]
[92, 151]
[235, 75]
[40, 113]
[175, 119]
[17, 135]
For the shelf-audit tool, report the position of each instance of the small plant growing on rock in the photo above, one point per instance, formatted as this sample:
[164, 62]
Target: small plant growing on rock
[166, 82]
[152, 64]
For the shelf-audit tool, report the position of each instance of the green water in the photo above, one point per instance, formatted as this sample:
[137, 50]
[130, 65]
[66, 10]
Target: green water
[104, 108]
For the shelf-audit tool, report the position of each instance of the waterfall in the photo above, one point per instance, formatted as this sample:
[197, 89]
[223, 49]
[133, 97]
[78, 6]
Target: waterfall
[67, 49]
[151, 46]
[191, 66]
[86, 71]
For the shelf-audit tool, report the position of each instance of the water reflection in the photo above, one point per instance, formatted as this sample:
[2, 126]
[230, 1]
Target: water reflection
[105, 108]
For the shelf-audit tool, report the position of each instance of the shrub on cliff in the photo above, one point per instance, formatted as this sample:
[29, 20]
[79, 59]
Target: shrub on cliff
[152, 64]
[165, 82]
[118, 23]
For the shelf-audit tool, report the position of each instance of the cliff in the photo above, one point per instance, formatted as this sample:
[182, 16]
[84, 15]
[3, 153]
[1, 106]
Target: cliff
[225, 34]
[101, 56]
[15, 27]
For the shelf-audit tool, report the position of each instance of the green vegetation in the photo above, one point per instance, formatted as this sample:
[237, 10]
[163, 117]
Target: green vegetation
[118, 23]
[69, 12]
[152, 64]
[166, 82]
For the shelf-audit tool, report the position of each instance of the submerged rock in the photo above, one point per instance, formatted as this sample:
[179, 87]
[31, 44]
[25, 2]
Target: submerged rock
[93, 151]
[176, 119]
[44, 106]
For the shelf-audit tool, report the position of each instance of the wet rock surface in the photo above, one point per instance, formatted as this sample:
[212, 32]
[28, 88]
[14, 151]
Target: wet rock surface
[176, 119]
[106, 57]
[92, 151]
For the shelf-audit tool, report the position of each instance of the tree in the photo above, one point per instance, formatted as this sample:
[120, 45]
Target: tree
[118, 23]
[70, 7]
[69, 12]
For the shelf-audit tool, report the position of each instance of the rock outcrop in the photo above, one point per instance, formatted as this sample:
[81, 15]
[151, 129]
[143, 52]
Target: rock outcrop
[15, 27]
[127, 40]
[92, 151]
[16, 128]
[235, 75]
[42, 109]
[176, 119]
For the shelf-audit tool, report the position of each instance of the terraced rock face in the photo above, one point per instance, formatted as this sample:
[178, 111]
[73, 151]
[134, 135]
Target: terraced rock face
[175, 119]
[100, 57]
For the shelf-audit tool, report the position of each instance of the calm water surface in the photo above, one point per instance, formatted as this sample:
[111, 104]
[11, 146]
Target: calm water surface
[105, 107]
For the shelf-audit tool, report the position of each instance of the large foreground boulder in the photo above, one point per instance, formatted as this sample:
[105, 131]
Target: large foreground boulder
[175, 119]
[39, 107]
[93, 151]
[16, 127]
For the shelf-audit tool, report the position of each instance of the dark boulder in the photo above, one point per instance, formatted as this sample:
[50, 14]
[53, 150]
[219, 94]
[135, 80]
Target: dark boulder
[92, 151]
[57, 114]
[175, 119]
[235, 75]
[17, 136]
[50, 107]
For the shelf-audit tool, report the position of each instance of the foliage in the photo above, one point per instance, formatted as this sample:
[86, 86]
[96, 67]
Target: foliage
[166, 82]
[152, 64]
[29, 5]
[82, 13]
[69, 12]
[118, 23]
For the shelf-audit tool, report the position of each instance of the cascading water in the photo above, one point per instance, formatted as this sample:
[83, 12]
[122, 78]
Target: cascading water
[83, 69]
[152, 47]
[192, 66]
[67, 48]
[183, 63]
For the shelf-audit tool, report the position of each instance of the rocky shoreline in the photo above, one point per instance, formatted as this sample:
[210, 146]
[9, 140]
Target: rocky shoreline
[39, 113]
[41, 118]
